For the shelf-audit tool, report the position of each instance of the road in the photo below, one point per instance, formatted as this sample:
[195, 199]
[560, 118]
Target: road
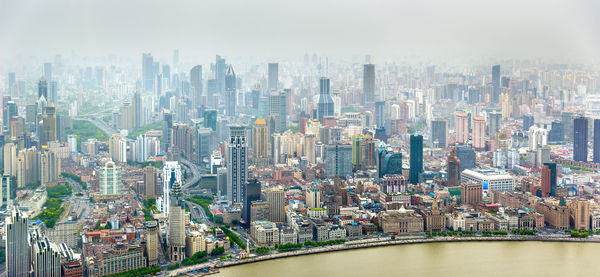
[194, 171]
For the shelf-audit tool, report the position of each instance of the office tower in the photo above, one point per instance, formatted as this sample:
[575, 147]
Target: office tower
[237, 164]
[338, 160]
[368, 85]
[471, 193]
[43, 88]
[110, 179]
[148, 73]
[466, 156]
[152, 243]
[528, 121]
[580, 139]
[49, 166]
[72, 143]
[261, 142]
[11, 83]
[183, 139]
[461, 126]
[52, 92]
[273, 76]
[136, 104]
[388, 163]
[580, 214]
[549, 180]
[205, 144]
[171, 175]
[219, 69]
[556, 133]
[416, 158]
[439, 133]
[356, 152]
[18, 253]
[46, 256]
[176, 217]
[494, 124]
[309, 147]
[313, 198]
[117, 148]
[453, 169]
[210, 119]
[380, 114]
[49, 125]
[252, 194]
[478, 132]
[230, 92]
[150, 175]
[167, 131]
[48, 71]
[278, 109]
[496, 83]
[141, 148]
[567, 119]
[276, 199]
[5, 200]
[196, 86]
[597, 140]
[325, 105]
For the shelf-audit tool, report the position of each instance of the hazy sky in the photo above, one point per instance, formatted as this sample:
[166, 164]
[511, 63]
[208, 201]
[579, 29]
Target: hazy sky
[436, 29]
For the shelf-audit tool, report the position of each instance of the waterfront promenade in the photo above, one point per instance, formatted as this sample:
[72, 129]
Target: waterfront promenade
[375, 243]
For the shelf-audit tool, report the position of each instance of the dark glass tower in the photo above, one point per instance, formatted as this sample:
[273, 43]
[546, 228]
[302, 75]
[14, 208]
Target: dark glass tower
[416, 158]
[252, 194]
[597, 140]
[325, 105]
[580, 139]
[369, 85]
[43, 89]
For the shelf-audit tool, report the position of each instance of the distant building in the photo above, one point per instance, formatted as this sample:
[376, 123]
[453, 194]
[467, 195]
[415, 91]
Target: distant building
[416, 158]
[110, 179]
[580, 139]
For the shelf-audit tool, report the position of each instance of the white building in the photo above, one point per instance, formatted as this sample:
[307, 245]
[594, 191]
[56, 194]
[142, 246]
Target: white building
[491, 179]
[110, 179]
[171, 174]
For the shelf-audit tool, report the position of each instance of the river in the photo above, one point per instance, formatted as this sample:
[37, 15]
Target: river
[438, 259]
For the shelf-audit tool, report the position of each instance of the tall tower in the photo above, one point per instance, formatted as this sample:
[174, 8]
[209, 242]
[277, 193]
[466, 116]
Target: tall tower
[148, 74]
[237, 164]
[252, 194]
[273, 76]
[276, 200]
[439, 133]
[549, 179]
[110, 179]
[150, 182]
[43, 88]
[596, 140]
[380, 113]
[325, 105]
[171, 175]
[478, 132]
[176, 235]
[278, 108]
[461, 127]
[580, 139]
[496, 83]
[219, 69]
[369, 85]
[230, 91]
[49, 125]
[167, 131]
[261, 142]
[152, 243]
[18, 253]
[453, 169]
[196, 85]
[416, 158]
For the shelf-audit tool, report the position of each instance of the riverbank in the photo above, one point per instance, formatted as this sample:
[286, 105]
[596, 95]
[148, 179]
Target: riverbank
[375, 243]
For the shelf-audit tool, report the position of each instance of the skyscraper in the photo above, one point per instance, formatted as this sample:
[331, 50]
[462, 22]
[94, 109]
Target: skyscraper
[11, 82]
[276, 199]
[549, 180]
[49, 125]
[580, 139]
[496, 83]
[380, 114]
[176, 217]
[237, 164]
[478, 132]
[48, 71]
[219, 69]
[230, 91]
[597, 140]
[252, 194]
[148, 73]
[461, 127]
[52, 92]
[453, 169]
[494, 123]
[18, 253]
[137, 109]
[338, 160]
[210, 119]
[152, 243]
[167, 131]
[171, 175]
[416, 158]
[43, 88]
[439, 133]
[368, 85]
[325, 106]
[110, 179]
[278, 108]
[150, 174]
[261, 142]
[273, 76]
[196, 85]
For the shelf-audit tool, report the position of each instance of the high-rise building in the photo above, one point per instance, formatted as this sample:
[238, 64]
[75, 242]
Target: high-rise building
[494, 120]
[237, 164]
[453, 169]
[176, 217]
[549, 180]
[325, 107]
[580, 214]
[18, 253]
[110, 179]
[416, 158]
[278, 108]
[46, 256]
[210, 119]
[152, 243]
[49, 125]
[205, 144]
[380, 113]
[439, 133]
[461, 127]
[388, 163]
[478, 132]
[196, 86]
[5, 200]
[580, 139]
[48, 71]
[167, 131]
[148, 73]
[252, 194]
[528, 121]
[496, 83]
[556, 133]
[276, 199]
[338, 160]
[150, 174]
[313, 197]
[273, 76]
[368, 85]
[43, 88]
[466, 156]
[219, 69]
[117, 148]
[11, 83]
[230, 92]
[171, 175]
[597, 140]
[261, 142]
[72, 143]
[471, 193]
